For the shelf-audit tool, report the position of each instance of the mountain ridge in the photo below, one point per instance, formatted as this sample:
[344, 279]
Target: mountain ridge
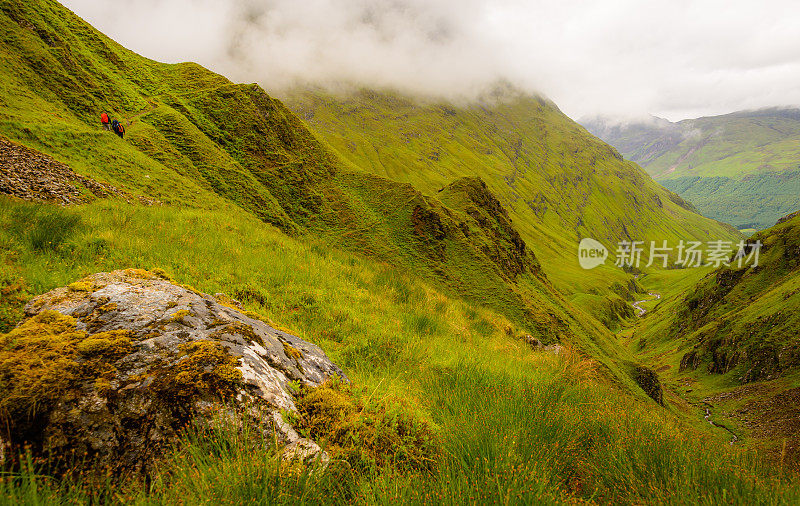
[742, 168]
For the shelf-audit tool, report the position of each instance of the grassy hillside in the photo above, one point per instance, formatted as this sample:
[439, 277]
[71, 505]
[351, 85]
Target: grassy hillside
[730, 340]
[510, 424]
[423, 290]
[197, 140]
[558, 183]
[741, 168]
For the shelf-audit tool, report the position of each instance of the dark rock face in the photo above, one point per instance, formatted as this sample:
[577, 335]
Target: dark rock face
[139, 358]
[690, 360]
[648, 380]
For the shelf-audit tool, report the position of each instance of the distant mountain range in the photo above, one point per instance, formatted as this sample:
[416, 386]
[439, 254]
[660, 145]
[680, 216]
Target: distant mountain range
[742, 168]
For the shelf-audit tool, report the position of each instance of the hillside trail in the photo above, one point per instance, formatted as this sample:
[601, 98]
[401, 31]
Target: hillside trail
[152, 106]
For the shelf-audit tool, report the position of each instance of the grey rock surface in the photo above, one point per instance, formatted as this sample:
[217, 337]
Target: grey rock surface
[162, 383]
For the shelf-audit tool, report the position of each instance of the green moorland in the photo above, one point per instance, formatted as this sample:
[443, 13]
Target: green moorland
[558, 182]
[740, 168]
[506, 424]
[420, 296]
[197, 140]
[728, 341]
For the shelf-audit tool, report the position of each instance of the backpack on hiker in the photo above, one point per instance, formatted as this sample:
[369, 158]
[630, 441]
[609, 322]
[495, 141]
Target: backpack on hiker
[118, 129]
[104, 120]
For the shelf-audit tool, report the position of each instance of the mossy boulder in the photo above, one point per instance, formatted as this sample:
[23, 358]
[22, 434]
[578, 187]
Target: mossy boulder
[111, 374]
[647, 379]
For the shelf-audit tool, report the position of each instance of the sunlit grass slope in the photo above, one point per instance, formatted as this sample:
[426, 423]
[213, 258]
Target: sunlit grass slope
[511, 425]
[558, 182]
[197, 140]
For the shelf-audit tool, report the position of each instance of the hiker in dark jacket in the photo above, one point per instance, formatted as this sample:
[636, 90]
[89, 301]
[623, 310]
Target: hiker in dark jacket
[118, 129]
[104, 120]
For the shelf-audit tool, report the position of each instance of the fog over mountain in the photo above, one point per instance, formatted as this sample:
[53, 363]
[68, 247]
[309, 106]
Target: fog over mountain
[622, 58]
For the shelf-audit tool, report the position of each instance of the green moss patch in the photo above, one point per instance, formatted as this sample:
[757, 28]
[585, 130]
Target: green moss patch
[80, 286]
[111, 345]
[180, 315]
[292, 352]
[369, 436]
[45, 357]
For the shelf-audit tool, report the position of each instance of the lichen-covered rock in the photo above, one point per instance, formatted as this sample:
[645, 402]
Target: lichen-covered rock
[113, 367]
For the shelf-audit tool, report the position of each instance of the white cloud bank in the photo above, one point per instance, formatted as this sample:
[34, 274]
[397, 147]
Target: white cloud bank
[676, 58]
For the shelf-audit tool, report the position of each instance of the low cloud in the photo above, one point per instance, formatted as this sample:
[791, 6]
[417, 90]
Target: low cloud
[623, 58]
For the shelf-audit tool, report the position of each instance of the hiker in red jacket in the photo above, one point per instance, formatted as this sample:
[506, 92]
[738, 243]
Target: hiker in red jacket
[105, 121]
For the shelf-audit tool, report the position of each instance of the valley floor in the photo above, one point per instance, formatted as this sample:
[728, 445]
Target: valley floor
[760, 416]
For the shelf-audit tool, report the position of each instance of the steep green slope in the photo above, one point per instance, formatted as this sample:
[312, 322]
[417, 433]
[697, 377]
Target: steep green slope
[511, 425]
[199, 138]
[195, 139]
[733, 339]
[742, 168]
[422, 297]
[559, 183]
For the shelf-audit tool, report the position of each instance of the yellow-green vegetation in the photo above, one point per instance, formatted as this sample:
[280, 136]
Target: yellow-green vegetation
[37, 363]
[80, 286]
[45, 357]
[420, 297]
[511, 422]
[375, 436]
[206, 367]
[180, 315]
[206, 143]
[728, 339]
[105, 308]
[292, 352]
[111, 345]
[160, 273]
[13, 294]
[557, 182]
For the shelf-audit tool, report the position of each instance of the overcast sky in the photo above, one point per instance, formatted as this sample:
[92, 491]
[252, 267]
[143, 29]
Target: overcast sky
[672, 58]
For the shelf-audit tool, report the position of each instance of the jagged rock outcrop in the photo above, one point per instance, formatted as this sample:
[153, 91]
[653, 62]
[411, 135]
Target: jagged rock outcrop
[113, 367]
[496, 238]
